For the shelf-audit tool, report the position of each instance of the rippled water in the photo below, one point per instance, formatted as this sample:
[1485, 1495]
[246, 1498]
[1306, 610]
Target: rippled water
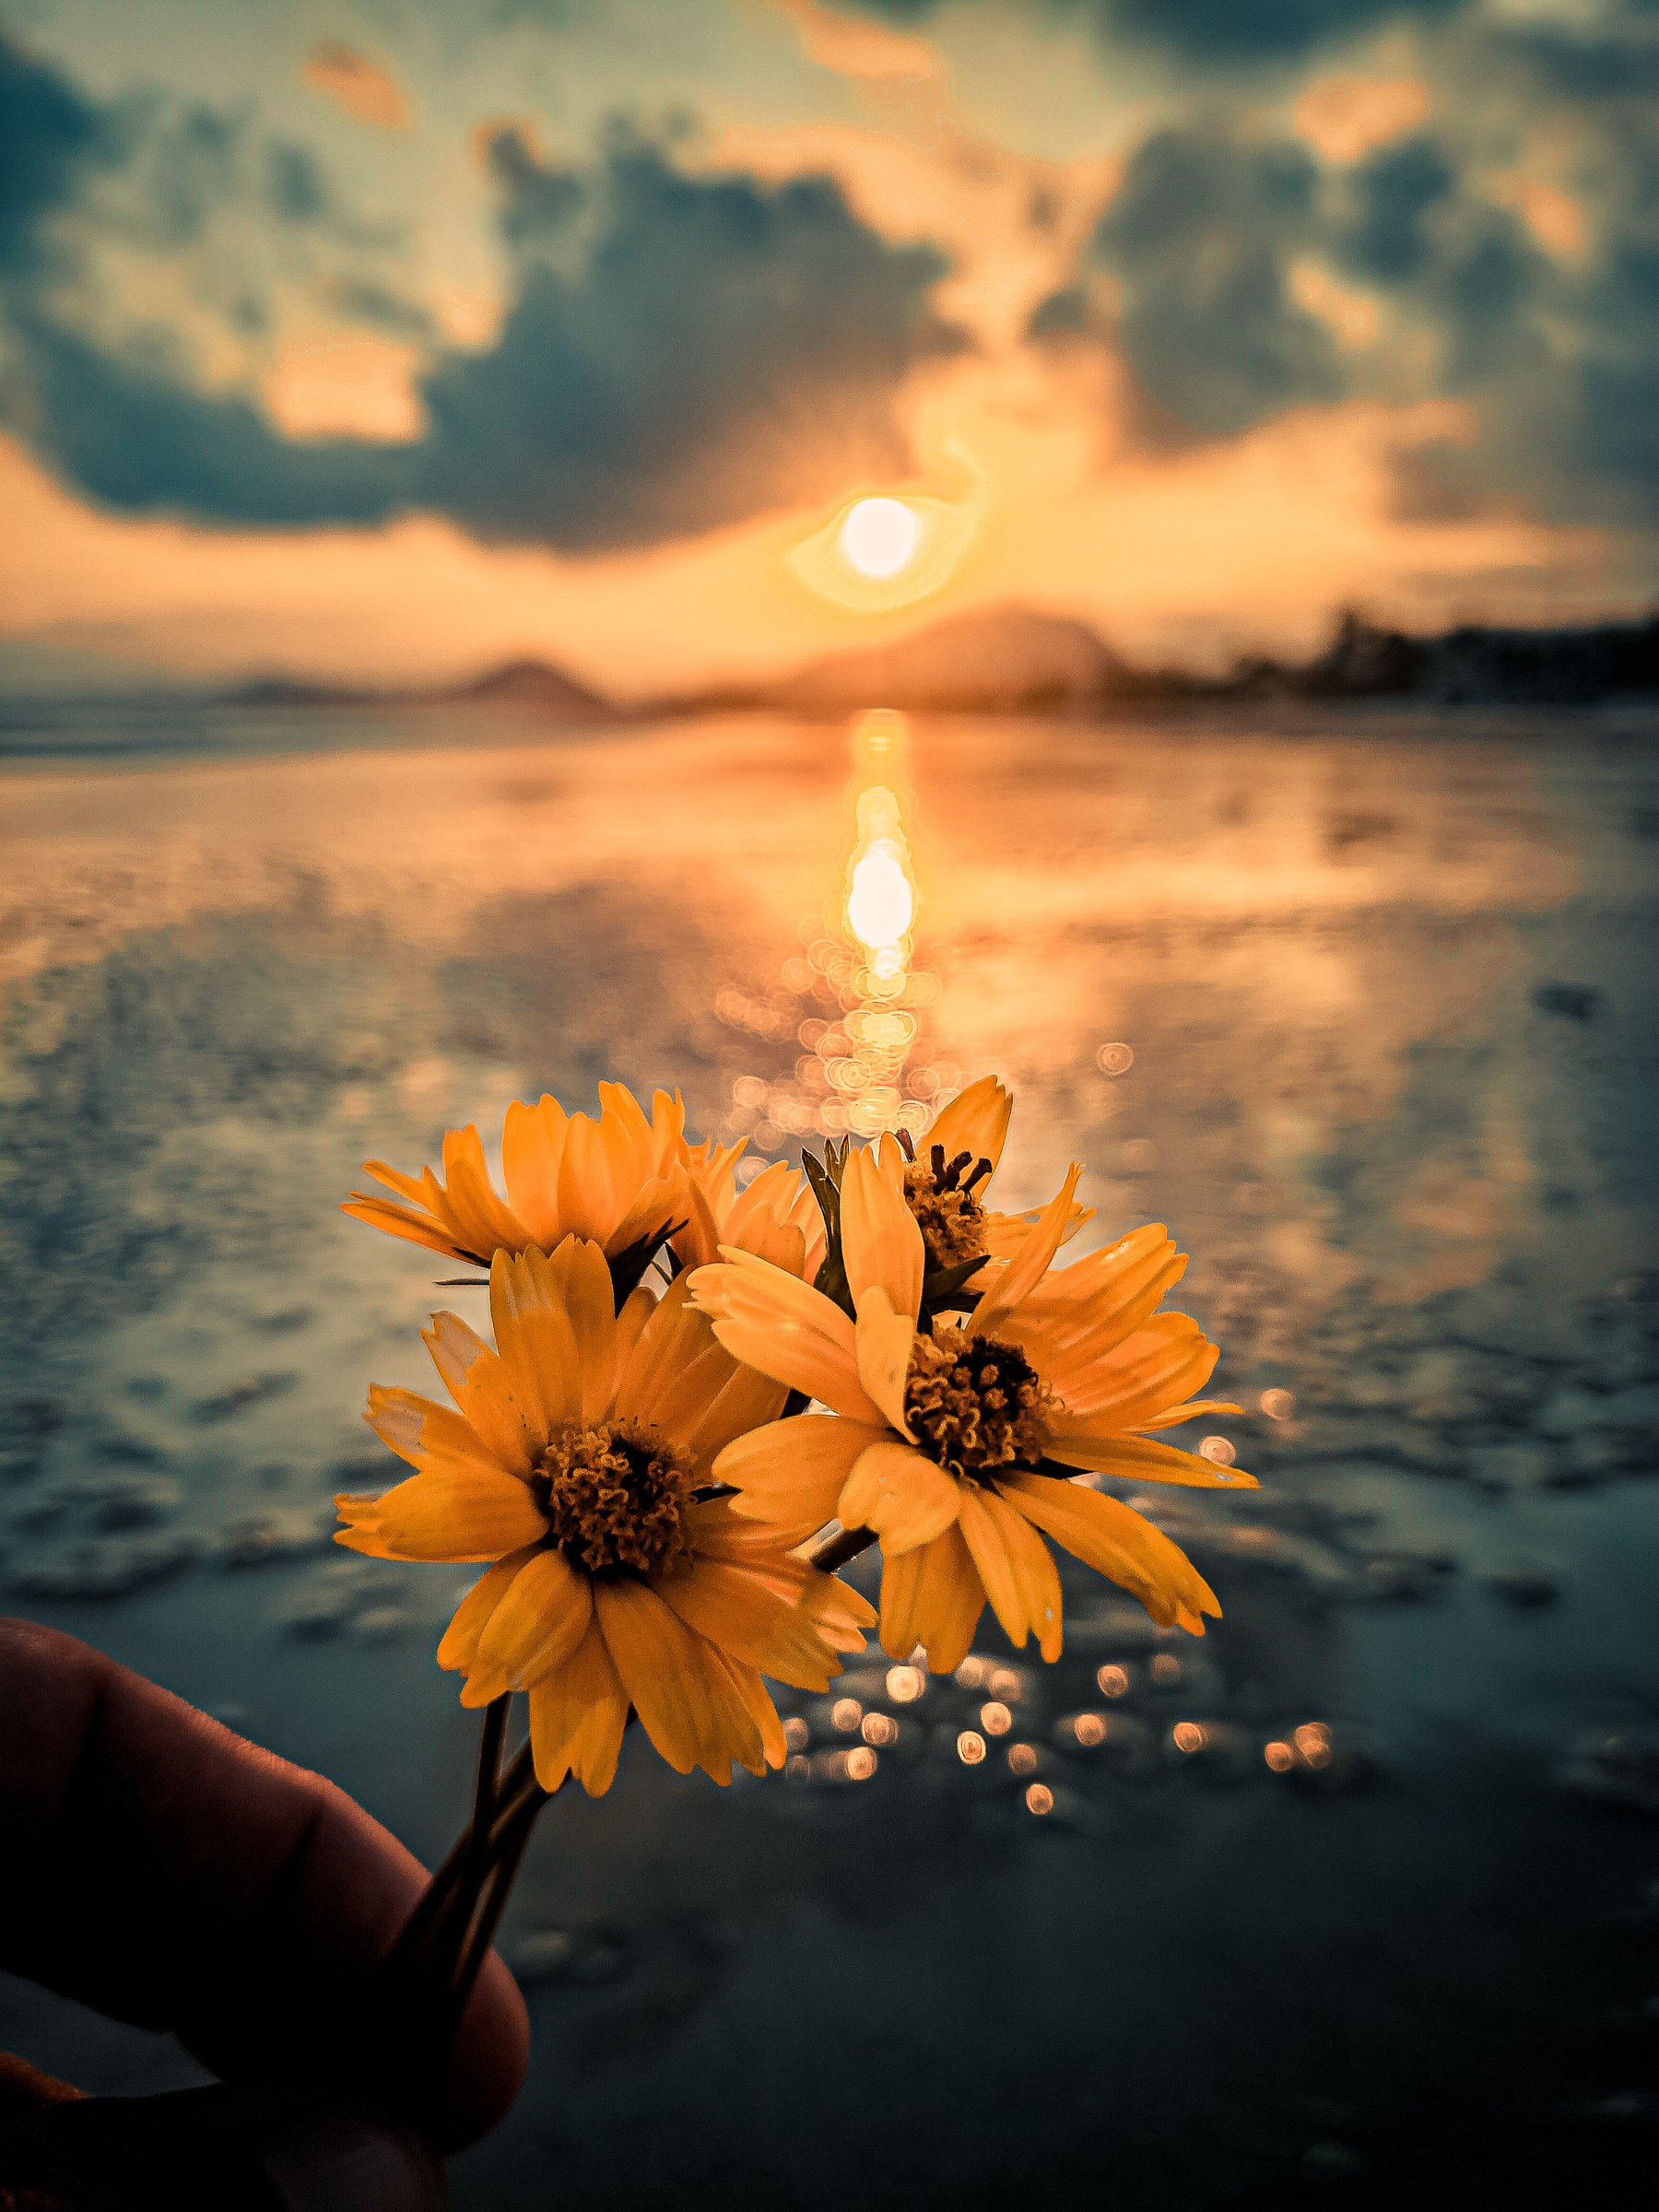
[1363, 1889]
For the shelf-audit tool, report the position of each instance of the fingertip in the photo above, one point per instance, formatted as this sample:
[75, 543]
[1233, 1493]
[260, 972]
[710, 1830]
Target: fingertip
[488, 2058]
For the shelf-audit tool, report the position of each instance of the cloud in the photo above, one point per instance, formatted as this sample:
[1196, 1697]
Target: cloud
[48, 137]
[1200, 238]
[1504, 255]
[1221, 32]
[679, 351]
[709, 349]
[353, 82]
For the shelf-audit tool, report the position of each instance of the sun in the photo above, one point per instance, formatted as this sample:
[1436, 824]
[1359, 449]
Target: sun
[879, 537]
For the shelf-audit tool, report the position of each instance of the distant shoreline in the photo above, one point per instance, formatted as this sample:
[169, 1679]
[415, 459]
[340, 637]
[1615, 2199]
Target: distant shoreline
[1002, 661]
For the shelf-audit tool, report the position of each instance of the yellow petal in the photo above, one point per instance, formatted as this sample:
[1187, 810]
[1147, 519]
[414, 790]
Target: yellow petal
[459, 1647]
[883, 1341]
[1137, 1459]
[747, 1401]
[577, 1716]
[532, 1148]
[932, 1597]
[581, 1282]
[1116, 1541]
[1197, 1409]
[905, 1499]
[539, 1622]
[481, 1387]
[688, 1706]
[464, 1519]
[975, 1121]
[882, 1245]
[534, 1340]
[1027, 1269]
[791, 1472]
[775, 1323]
[983, 1532]
[737, 1611]
[431, 1437]
[1035, 1574]
[1163, 1363]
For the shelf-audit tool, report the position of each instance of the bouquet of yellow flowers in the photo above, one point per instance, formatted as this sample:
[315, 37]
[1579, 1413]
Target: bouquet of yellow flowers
[660, 1484]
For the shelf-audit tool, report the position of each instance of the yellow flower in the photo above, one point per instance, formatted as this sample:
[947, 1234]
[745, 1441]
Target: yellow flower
[966, 1242]
[937, 1440]
[777, 1218]
[618, 1181]
[578, 1462]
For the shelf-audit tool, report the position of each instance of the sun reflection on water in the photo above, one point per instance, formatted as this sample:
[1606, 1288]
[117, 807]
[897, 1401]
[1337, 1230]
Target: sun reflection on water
[856, 1000]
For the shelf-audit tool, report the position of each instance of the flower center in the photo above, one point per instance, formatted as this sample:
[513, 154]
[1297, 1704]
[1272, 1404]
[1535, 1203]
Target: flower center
[615, 1497]
[975, 1405]
[940, 1194]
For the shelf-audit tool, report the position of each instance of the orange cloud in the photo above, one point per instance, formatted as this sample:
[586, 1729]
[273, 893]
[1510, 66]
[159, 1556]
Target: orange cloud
[851, 48]
[354, 83]
[1347, 116]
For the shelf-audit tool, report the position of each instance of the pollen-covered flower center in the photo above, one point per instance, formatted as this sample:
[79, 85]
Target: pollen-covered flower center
[615, 1497]
[940, 1193]
[976, 1405]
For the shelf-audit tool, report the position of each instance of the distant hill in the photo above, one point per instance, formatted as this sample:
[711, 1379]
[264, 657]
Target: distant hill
[526, 683]
[1007, 657]
[1014, 660]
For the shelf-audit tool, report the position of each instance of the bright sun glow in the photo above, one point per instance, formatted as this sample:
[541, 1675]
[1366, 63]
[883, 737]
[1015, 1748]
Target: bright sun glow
[878, 537]
[881, 903]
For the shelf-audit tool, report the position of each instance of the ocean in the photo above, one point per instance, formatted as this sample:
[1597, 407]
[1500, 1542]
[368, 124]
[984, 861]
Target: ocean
[1362, 1890]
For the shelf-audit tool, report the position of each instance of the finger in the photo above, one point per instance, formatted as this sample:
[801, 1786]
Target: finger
[162, 1869]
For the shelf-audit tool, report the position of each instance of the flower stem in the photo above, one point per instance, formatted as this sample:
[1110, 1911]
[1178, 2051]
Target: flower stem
[835, 1551]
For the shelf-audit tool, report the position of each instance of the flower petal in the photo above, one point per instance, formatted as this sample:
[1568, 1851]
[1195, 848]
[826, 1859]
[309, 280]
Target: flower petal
[791, 1472]
[1137, 1459]
[882, 1245]
[468, 1518]
[932, 1597]
[459, 1646]
[906, 1499]
[482, 1388]
[775, 1323]
[1116, 1541]
[737, 1611]
[532, 1148]
[686, 1704]
[883, 1340]
[983, 1531]
[577, 1716]
[1035, 1574]
[433, 1438]
[975, 1121]
[538, 1623]
[1197, 1409]
[534, 1340]
[1027, 1269]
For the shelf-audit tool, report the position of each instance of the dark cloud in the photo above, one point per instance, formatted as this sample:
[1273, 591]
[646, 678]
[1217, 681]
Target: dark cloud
[135, 435]
[1190, 276]
[297, 190]
[719, 347]
[49, 136]
[1199, 237]
[678, 352]
[1395, 194]
[1225, 32]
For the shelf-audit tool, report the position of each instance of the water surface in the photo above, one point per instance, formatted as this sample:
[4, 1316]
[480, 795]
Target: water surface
[1358, 1891]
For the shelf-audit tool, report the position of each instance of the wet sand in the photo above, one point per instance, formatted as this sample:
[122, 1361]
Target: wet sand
[1360, 1890]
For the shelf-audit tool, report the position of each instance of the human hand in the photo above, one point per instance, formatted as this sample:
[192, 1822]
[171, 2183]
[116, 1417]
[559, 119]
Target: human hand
[165, 1871]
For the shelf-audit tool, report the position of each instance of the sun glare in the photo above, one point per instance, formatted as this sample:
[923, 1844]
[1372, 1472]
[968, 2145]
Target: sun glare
[879, 537]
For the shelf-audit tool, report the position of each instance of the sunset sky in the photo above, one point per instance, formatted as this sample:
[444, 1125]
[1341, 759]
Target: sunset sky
[393, 338]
